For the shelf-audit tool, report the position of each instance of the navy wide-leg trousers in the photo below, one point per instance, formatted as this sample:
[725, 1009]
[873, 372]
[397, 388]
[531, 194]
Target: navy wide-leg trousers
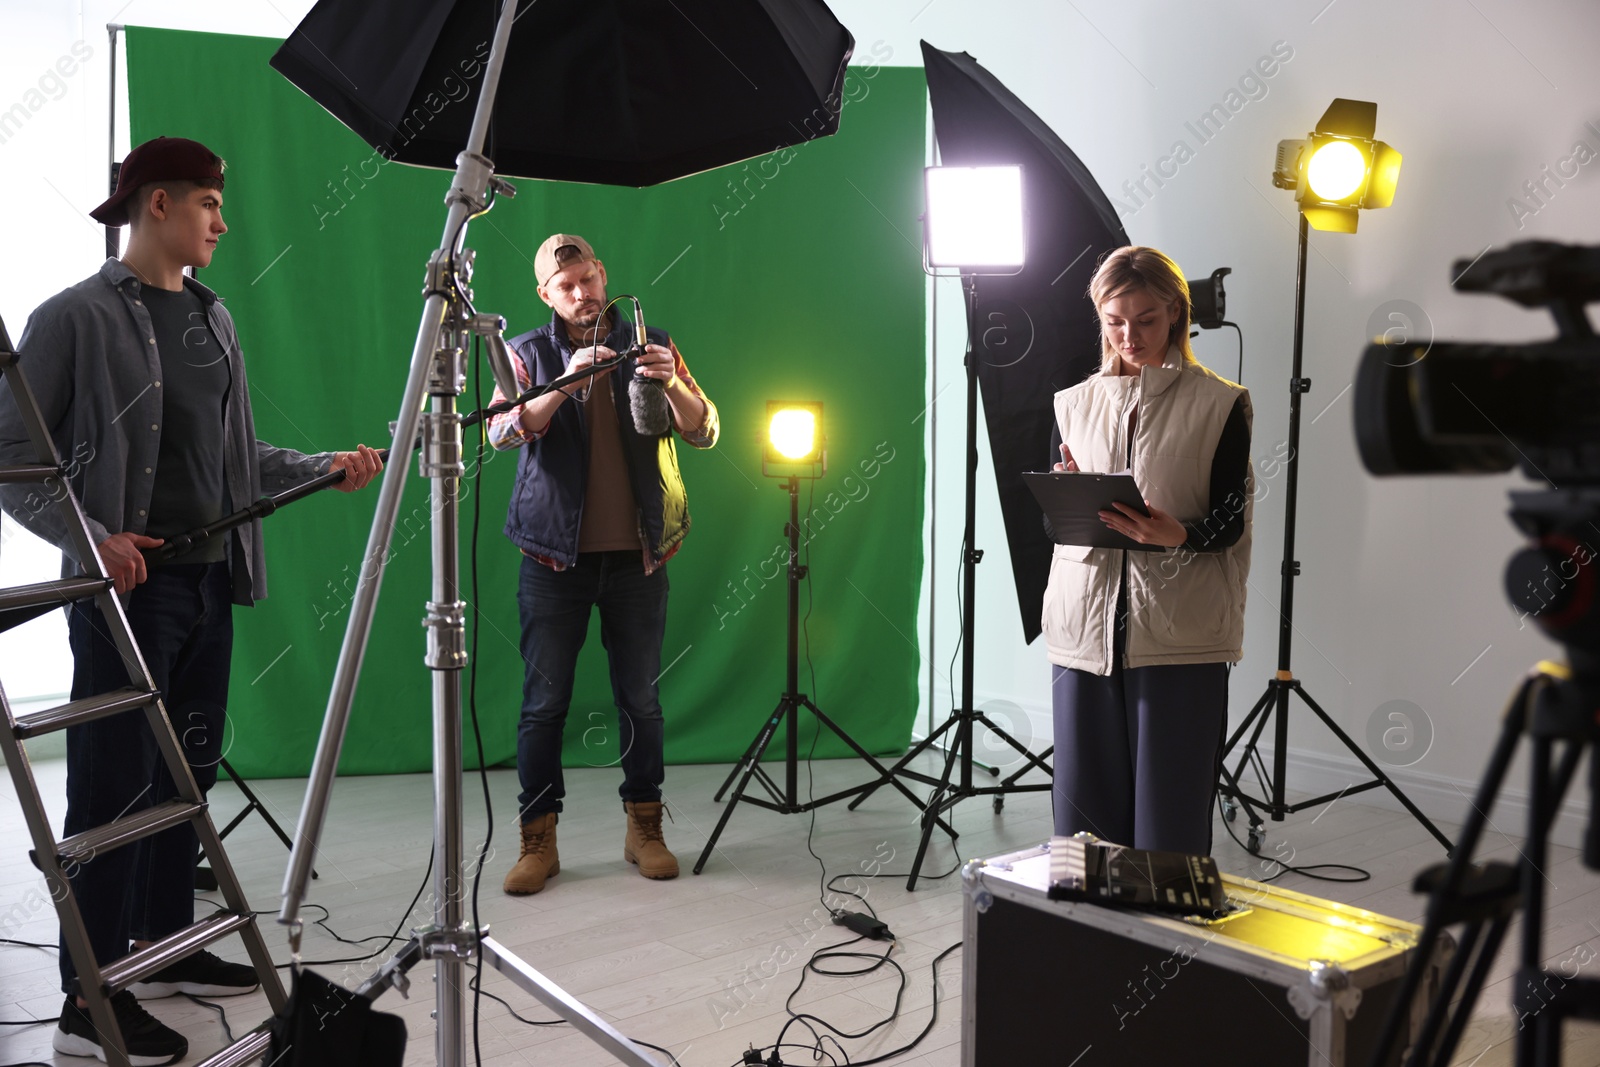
[1136, 753]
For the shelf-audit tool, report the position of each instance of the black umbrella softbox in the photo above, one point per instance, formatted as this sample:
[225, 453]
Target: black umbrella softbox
[618, 92]
[1037, 332]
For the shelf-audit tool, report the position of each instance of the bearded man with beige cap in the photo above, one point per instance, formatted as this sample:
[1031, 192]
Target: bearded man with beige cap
[597, 510]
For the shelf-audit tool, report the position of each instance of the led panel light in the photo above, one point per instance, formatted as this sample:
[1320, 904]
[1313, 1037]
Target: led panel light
[794, 436]
[975, 218]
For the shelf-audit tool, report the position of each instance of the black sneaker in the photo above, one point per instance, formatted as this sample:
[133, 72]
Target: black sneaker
[148, 1041]
[199, 975]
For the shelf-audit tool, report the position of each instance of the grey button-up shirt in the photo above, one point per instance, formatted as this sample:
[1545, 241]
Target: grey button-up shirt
[89, 356]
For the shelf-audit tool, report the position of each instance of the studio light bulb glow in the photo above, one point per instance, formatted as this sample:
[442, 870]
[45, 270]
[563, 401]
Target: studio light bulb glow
[793, 433]
[1336, 170]
[975, 217]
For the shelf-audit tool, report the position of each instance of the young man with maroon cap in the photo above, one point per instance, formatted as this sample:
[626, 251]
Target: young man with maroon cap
[598, 509]
[138, 372]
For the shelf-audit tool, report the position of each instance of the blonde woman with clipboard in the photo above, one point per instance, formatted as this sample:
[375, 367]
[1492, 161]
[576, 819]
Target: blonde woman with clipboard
[1141, 642]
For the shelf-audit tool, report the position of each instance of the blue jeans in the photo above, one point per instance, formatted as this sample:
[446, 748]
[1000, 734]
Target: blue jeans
[182, 620]
[554, 607]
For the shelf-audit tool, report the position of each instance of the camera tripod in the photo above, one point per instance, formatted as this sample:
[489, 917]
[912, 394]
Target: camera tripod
[1553, 706]
[1552, 581]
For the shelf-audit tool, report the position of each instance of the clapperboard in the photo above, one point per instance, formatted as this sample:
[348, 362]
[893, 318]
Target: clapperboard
[1083, 868]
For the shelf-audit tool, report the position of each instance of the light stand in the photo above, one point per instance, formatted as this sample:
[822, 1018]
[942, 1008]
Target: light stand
[204, 880]
[1346, 124]
[437, 368]
[787, 712]
[990, 243]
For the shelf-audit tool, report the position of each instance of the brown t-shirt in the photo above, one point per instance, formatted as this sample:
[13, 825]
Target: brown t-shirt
[610, 514]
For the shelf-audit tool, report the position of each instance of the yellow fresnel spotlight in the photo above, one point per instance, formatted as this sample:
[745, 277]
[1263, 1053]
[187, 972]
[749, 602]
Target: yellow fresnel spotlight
[1339, 169]
[794, 435]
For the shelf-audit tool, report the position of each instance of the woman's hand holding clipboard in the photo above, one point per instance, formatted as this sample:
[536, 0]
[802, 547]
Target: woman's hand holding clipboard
[1102, 510]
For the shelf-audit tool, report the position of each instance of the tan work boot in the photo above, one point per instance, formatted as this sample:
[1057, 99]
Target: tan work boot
[644, 845]
[539, 859]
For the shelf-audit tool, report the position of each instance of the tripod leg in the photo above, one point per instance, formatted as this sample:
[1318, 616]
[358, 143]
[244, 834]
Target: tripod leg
[1261, 706]
[893, 772]
[1372, 768]
[933, 810]
[1033, 762]
[1440, 1010]
[1046, 754]
[254, 804]
[751, 763]
[1232, 790]
[1474, 986]
[1515, 718]
[1258, 715]
[734, 773]
[885, 775]
[243, 814]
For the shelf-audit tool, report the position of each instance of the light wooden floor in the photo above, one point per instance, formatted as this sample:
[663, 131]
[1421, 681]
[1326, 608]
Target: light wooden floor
[702, 965]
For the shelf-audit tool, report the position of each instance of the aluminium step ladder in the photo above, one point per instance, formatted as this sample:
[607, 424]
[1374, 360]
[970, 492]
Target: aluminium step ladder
[55, 858]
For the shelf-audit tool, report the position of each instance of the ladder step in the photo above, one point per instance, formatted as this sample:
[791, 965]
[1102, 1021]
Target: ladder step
[21, 603]
[142, 963]
[81, 848]
[51, 594]
[86, 709]
[32, 473]
[249, 1048]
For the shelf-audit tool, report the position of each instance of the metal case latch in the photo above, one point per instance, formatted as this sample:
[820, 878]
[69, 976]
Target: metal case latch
[1325, 982]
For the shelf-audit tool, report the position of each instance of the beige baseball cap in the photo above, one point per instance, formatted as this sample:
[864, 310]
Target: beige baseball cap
[559, 250]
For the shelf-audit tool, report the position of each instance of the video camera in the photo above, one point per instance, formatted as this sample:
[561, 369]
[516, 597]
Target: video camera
[1425, 408]
[1428, 408]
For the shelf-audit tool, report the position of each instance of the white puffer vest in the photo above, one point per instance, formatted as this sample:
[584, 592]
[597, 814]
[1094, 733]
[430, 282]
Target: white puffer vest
[1183, 606]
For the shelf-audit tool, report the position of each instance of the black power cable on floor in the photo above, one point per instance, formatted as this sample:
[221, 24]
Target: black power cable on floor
[476, 985]
[1359, 874]
[868, 925]
[816, 1050]
[222, 1015]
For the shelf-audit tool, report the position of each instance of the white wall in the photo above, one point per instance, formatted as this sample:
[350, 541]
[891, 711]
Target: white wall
[1401, 586]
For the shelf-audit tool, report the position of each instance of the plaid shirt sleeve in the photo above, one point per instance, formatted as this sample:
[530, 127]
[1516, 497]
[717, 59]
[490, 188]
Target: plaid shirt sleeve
[506, 429]
[704, 435]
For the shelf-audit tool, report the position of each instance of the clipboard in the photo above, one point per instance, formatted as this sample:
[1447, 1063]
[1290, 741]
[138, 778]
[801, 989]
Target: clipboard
[1072, 501]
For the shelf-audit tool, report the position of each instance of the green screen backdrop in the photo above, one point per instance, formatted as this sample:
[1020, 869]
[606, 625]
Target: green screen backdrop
[792, 277]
